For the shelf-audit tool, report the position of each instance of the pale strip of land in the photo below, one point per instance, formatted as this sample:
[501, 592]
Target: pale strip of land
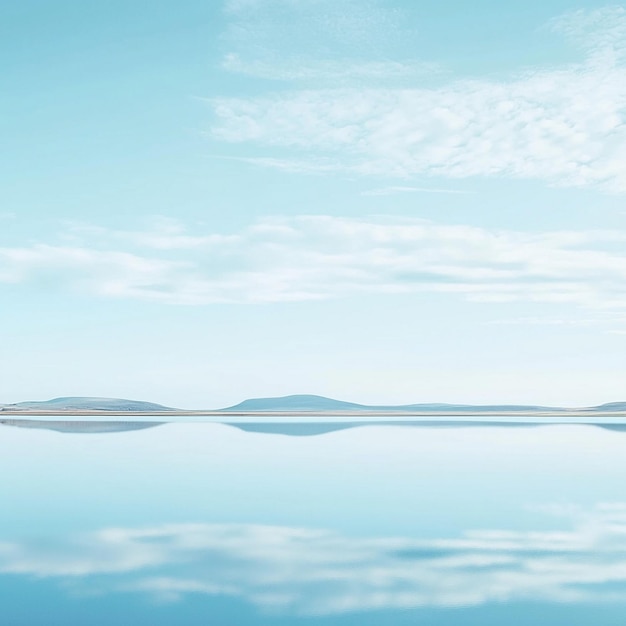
[167, 415]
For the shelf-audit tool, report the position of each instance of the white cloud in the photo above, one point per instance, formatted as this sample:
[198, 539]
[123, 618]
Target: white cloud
[565, 126]
[318, 257]
[106, 272]
[345, 40]
[394, 189]
[301, 166]
[601, 32]
[307, 572]
[547, 321]
[306, 69]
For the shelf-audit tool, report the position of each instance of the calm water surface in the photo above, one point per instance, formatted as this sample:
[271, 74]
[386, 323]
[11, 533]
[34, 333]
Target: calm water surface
[214, 524]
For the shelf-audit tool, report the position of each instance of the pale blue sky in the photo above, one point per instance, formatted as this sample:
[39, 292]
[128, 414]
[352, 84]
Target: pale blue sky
[378, 201]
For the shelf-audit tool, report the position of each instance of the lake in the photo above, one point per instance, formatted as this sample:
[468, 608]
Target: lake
[316, 523]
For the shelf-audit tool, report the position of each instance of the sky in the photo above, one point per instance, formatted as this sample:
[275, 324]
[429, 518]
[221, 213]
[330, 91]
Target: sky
[377, 201]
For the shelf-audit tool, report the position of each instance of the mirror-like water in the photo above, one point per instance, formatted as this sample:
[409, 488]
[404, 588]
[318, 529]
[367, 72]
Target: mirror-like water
[208, 523]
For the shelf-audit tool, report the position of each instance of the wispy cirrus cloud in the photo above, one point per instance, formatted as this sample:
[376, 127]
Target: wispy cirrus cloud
[317, 572]
[562, 125]
[600, 32]
[320, 41]
[304, 69]
[394, 189]
[320, 257]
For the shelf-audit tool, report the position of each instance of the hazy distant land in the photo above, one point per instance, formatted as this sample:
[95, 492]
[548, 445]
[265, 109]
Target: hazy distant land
[293, 405]
[85, 404]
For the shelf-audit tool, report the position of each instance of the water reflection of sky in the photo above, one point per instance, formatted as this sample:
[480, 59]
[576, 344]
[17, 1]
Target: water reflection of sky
[308, 571]
[448, 524]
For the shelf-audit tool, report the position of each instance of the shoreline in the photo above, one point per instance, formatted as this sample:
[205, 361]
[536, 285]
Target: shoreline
[164, 415]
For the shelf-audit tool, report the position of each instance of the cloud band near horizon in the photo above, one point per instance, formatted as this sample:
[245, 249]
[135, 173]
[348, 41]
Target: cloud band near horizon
[290, 259]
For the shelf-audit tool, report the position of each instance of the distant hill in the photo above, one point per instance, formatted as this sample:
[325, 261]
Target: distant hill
[295, 403]
[90, 404]
[609, 406]
[320, 403]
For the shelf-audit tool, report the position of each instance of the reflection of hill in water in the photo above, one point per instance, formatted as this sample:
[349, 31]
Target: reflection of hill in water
[83, 427]
[303, 429]
[620, 428]
[293, 429]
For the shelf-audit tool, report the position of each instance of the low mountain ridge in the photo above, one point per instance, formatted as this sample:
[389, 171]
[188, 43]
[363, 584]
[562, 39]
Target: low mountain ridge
[89, 404]
[294, 403]
[321, 403]
[609, 406]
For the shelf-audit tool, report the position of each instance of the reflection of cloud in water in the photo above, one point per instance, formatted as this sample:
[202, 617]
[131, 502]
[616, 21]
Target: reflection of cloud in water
[307, 571]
